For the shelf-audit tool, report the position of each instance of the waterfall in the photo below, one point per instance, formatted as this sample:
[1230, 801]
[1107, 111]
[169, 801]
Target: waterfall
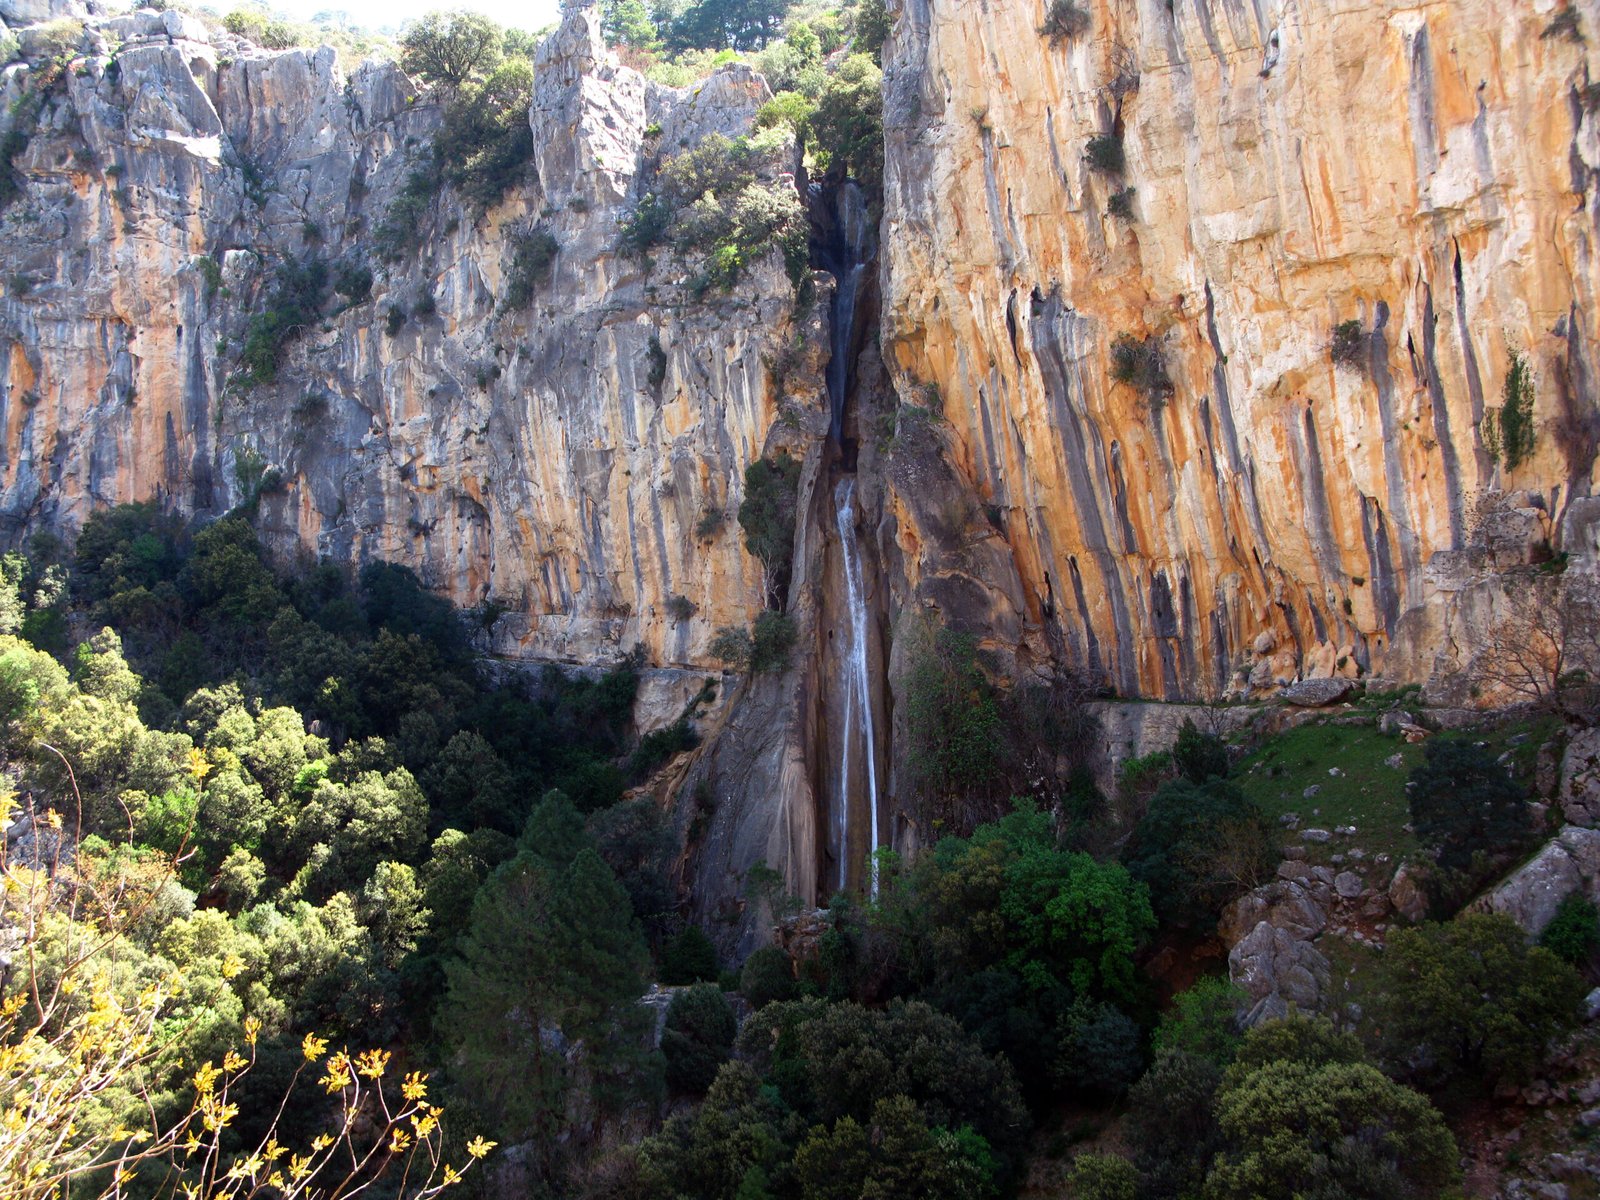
[846, 292]
[846, 254]
[858, 688]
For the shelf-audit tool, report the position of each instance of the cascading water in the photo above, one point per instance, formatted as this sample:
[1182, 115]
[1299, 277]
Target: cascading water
[846, 254]
[858, 731]
[845, 296]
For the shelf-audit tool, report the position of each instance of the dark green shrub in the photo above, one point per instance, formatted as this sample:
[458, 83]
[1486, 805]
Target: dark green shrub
[1465, 805]
[533, 260]
[1200, 756]
[485, 146]
[1200, 846]
[405, 223]
[353, 281]
[847, 127]
[767, 516]
[711, 204]
[657, 374]
[953, 727]
[1104, 153]
[1204, 1020]
[1064, 21]
[648, 225]
[1324, 1125]
[1469, 1001]
[873, 26]
[772, 642]
[1101, 1049]
[1508, 432]
[657, 746]
[1349, 345]
[211, 272]
[294, 304]
[698, 1037]
[689, 958]
[681, 608]
[767, 977]
[710, 523]
[425, 305]
[450, 47]
[733, 647]
[1138, 362]
[1172, 1123]
[1120, 204]
[394, 320]
[12, 145]
[1102, 1177]
[1574, 932]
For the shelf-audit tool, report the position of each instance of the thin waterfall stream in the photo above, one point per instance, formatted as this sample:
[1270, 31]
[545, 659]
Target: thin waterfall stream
[848, 253]
[858, 725]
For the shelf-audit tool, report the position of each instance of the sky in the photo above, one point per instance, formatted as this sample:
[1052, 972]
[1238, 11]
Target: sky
[381, 14]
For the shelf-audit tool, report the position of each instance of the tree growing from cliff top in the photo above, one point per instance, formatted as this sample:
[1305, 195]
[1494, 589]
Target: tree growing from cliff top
[627, 23]
[450, 48]
[716, 24]
[847, 127]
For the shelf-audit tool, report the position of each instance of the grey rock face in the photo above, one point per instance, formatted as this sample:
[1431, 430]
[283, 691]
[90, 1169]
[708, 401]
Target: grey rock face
[1317, 693]
[1580, 779]
[1567, 865]
[1288, 904]
[548, 459]
[1278, 970]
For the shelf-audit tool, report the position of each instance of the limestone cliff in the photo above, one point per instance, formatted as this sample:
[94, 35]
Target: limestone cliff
[555, 461]
[1226, 192]
[1426, 171]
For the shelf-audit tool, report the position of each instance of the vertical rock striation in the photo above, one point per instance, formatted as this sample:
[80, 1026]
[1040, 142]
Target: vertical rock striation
[1427, 173]
[556, 460]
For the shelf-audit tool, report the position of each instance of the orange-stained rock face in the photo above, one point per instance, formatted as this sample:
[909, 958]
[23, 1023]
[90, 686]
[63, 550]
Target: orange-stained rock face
[1427, 172]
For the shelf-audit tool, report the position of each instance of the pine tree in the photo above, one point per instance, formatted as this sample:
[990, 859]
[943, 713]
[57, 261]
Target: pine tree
[551, 953]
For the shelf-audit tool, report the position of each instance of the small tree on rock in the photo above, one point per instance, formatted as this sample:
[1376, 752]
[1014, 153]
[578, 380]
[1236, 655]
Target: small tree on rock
[450, 47]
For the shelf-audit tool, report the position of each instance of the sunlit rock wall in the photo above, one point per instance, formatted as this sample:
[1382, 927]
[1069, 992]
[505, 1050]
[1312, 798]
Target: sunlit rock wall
[1427, 171]
[551, 460]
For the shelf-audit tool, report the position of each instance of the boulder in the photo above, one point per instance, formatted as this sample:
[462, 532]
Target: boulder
[1278, 970]
[30, 12]
[1317, 693]
[1286, 904]
[1316, 835]
[1530, 895]
[1348, 884]
[1406, 894]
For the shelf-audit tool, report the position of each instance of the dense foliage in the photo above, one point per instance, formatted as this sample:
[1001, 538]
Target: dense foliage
[1469, 814]
[1470, 1002]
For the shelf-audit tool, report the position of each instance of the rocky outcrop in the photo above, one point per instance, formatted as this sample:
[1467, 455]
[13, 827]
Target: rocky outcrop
[1265, 514]
[1579, 794]
[1254, 516]
[1568, 865]
[556, 461]
[1278, 971]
